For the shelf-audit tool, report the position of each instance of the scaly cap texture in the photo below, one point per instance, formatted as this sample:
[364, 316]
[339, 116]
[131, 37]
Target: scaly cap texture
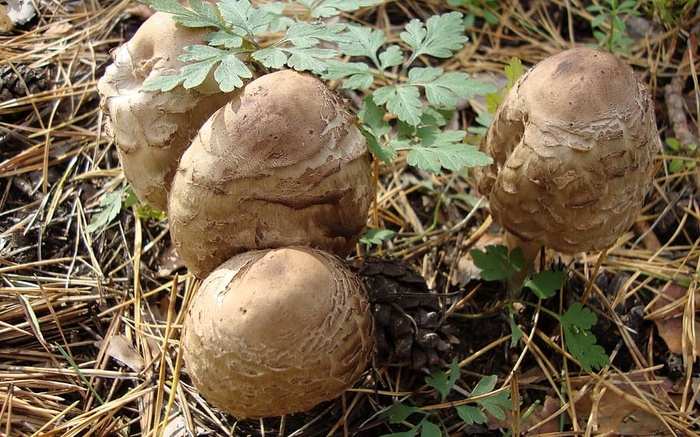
[151, 128]
[573, 144]
[283, 165]
[277, 331]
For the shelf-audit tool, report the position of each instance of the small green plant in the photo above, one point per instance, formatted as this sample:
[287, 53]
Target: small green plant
[513, 71]
[478, 9]
[671, 12]
[394, 117]
[376, 236]
[498, 264]
[676, 165]
[613, 13]
[485, 399]
[111, 204]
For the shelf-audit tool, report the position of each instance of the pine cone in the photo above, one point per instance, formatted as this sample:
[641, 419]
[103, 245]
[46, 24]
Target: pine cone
[409, 325]
[21, 82]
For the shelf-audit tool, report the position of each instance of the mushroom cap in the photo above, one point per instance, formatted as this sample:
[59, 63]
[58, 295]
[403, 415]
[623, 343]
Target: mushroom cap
[278, 331]
[151, 128]
[283, 165]
[573, 144]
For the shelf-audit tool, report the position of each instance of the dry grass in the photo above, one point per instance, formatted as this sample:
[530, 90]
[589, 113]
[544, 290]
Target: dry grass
[89, 322]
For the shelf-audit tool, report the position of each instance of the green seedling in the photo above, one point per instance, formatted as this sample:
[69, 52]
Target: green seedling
[684, 161]
[486, 399]
[612, 15]
[111, 204]
[400, 115]
[498, 264]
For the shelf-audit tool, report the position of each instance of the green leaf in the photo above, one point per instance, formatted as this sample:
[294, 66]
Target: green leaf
[581, 343]
[441, 36]
[392, 56]
[470, 414]
[598, 20]
[309, 59]
[224, 39]
[230, 72]
[402, 100]
[492, 101]
[111, 204]
[279, 21]
[240, 14]
[441, 382]
[399, 412]
[357, 73]
[362, 41]
[271, 57]
[163, 83]
[516, 332]
[484, 119]
[331, 8]
[195, 74]
[372, 115]
[440, 89]
[202, 14]
[496, 263]
[673, 144]
[306, 35]
[376, 236]
[491, 18]
[596, 8]
[447, 152]
[374, 129]
[578, 316]
[496, 403]
[433, 117]
[302, 59]
[429, 429]
[513, 71]
[485, 385]
[545, 284]
[198, 53]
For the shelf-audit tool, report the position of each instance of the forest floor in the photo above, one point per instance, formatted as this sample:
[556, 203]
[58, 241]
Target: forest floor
[90, 318]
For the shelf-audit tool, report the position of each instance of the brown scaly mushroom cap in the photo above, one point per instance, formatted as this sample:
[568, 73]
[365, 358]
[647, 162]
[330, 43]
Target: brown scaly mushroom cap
[274, 332]
[573, 144]
[150, 128]
[283, 165]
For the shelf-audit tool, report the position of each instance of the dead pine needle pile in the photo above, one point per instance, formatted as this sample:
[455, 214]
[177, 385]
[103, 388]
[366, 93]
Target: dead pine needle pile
[468, 337]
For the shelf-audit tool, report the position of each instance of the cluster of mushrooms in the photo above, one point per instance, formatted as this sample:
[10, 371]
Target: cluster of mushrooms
[268, 187]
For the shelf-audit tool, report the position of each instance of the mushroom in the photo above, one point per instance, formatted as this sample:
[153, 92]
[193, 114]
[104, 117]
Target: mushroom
[151, 128]
[282, 165]
[273, 332]
[573, 144]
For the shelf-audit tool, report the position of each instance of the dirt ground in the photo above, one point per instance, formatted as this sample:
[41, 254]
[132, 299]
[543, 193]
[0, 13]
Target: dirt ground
[90, 319]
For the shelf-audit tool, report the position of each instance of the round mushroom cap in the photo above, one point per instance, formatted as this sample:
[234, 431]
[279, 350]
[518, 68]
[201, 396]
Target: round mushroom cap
[573, 144]
[283, 165]
[278, 331]
[151, 128]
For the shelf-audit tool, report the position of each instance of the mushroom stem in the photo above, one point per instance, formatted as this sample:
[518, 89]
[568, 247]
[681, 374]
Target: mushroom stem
[530, 251]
